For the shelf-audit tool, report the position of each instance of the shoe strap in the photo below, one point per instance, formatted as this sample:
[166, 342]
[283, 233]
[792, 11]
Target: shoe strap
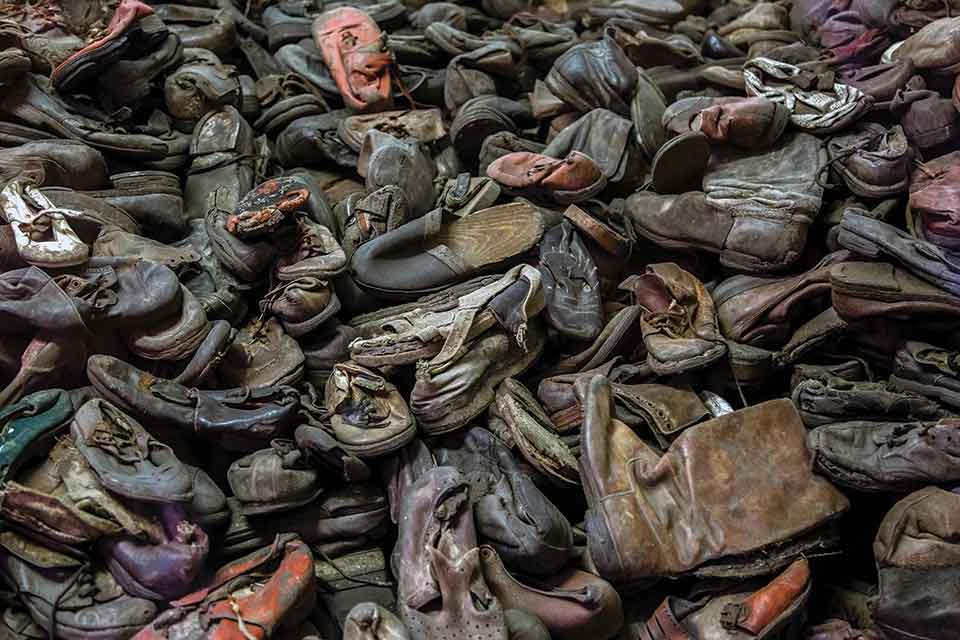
[471, 304]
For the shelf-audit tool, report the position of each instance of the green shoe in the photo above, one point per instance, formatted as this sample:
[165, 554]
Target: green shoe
[29, 424]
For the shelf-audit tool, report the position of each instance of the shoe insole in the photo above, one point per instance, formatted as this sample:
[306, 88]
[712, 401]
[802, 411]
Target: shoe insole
[492, 235]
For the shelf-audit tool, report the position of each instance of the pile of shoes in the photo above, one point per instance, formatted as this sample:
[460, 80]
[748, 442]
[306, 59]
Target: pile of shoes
[498, 320]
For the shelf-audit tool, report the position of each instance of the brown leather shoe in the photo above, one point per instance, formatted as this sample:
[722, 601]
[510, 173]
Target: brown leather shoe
[864, 290]
[679, 321]
[628, 512]
[275, 479]
[764, 312]
[573, 179]
[748, 225]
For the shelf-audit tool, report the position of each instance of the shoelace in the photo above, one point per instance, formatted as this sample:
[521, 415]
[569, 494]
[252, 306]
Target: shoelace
[93, 290]
[843, 155]
[673, 322]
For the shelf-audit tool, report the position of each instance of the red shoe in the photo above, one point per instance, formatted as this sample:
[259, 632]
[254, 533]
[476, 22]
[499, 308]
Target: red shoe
[356, 53]
[256, 596]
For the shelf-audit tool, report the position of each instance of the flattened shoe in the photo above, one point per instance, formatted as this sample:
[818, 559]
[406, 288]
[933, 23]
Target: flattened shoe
[421, 332]
[256, 414]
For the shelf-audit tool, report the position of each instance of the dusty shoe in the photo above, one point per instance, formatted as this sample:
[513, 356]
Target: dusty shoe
[317, 254]
[28, 426]
[427, 254]
[454, 388]
[511, 514]
[571, 284]
[368, 415]
[67, 597]
[828, 399]
[348, 518]
[594, 75]
[162, 571]
[929, 371]
[176, 338]
[748, 610]
[764, 312]
[872, 161]
[729, 221]
[133, 29]
[262, 210]
[916, 538]
[261, 414]
[872, 238]
[370, 621]
[534, 434]
[387, 160]
[262, 355]
[409, 333]
[571, 603]
[440, 579]
[274, 479]
[284, 599]
[887, 457]
[425, 125]
[563, 181]
[355, 51]
[873, 290]
[128, 460]
[618, 535]
[934, 201]
[301, 305]
[679, 321]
